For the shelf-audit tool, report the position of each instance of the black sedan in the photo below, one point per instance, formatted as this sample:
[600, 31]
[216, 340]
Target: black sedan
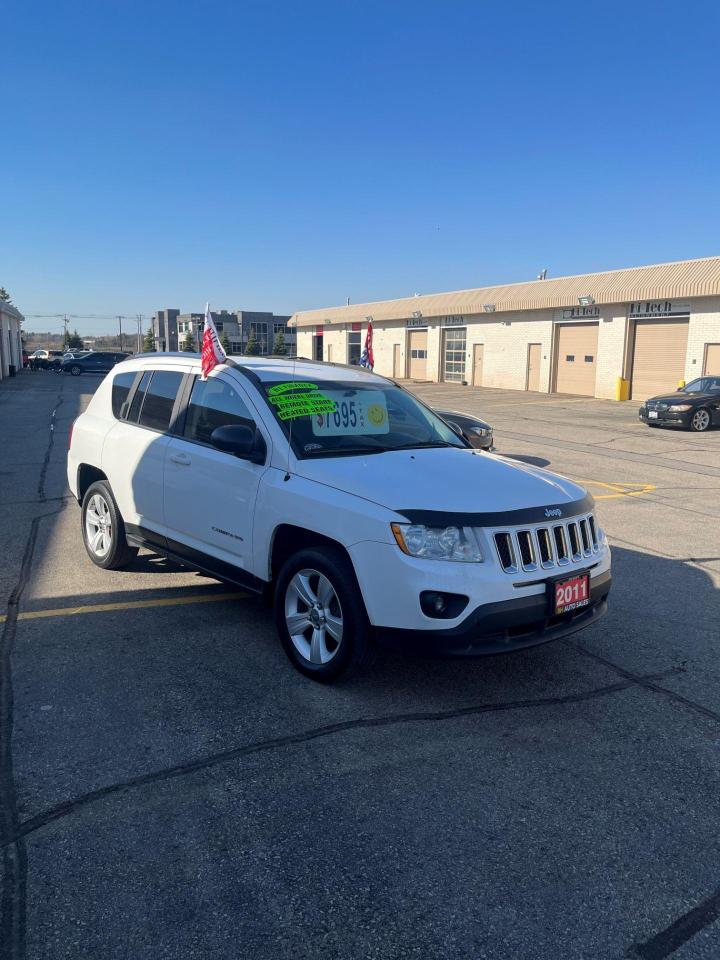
[695, 406]
[477, 433]
[96, 362]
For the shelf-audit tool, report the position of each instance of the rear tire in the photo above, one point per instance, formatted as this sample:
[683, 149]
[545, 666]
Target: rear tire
[700, 421]
[320, 615]
[103, 529]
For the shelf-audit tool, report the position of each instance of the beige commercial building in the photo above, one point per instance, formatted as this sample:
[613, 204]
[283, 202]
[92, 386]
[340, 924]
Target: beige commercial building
[651, 326]
[10, 340]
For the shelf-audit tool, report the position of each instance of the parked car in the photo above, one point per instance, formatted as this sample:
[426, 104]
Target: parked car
[36, 356]
[94, 362]
[75, 354]
[25, 359]
[695, 406]
[45, 360]
[336, 492]
[477, 433]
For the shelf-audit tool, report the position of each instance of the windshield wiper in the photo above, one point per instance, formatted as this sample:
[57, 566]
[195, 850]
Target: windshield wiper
[344, 452]
[424, 446]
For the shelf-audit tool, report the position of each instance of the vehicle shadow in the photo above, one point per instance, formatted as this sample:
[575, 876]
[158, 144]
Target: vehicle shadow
[526, 458]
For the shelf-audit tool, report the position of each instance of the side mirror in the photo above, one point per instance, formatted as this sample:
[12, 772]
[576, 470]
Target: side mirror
[243, 442]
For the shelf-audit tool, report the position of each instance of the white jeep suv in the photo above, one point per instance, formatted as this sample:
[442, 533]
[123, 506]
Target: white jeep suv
[339, 494]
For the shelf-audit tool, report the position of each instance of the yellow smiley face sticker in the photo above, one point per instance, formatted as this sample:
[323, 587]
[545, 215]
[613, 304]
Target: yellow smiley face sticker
[376, 414]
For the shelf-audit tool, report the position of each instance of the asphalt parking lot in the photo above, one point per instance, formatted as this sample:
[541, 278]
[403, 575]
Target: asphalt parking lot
[172, 788]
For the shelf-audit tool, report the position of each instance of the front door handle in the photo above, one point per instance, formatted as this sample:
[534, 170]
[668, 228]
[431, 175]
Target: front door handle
[182, 458]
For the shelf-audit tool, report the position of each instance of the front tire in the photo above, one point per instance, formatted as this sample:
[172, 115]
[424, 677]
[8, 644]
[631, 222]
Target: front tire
[700, 421]
[103, 529]
[75, 370]
[320, 615]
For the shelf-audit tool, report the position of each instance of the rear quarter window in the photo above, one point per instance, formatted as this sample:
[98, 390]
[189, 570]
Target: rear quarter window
[121, 387]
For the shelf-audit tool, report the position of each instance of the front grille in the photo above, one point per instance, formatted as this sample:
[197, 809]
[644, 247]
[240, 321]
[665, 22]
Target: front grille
[547, 546]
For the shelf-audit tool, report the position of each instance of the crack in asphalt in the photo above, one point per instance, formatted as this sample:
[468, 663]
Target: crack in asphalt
[14, 879]
[68, 807]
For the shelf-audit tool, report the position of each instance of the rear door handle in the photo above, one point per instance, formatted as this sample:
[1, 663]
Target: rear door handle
[182, 458]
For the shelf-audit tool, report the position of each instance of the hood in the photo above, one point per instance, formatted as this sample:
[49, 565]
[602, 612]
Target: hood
[677, 397]
[451, 479]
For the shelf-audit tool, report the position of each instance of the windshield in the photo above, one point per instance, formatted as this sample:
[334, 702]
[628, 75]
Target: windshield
[327, 418]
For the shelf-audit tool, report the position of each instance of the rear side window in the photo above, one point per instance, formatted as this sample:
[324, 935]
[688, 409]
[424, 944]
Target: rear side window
[214, 403]
[160, 399]
[121, 386]
[139, 396]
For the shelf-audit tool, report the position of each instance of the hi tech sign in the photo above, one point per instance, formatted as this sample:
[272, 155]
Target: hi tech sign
[658, 308]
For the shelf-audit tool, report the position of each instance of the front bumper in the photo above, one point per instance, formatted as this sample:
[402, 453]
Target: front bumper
[502, 627]
[670, 418]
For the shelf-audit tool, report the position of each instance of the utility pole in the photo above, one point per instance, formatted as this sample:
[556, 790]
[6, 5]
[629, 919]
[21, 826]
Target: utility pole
[120, 319]
[65, 326]
[139, 332]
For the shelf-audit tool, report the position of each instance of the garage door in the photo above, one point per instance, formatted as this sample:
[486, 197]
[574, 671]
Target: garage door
[417, 367]
[658, 356]
[576, 355]
[712, 359]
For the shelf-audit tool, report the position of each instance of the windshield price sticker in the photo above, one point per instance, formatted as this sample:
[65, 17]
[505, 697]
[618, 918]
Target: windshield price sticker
[355, 413]
[299, 399]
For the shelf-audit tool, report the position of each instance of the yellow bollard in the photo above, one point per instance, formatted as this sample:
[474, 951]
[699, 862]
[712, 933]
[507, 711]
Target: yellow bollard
[622, 389]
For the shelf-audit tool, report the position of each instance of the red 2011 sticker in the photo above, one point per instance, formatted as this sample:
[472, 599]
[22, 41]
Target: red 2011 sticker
[572, 593]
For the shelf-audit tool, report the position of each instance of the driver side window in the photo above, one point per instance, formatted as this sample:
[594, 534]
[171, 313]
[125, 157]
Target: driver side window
[214, 403]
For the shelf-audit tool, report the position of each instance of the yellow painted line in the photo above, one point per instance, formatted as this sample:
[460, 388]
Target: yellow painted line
[129, 605]
[620, 489]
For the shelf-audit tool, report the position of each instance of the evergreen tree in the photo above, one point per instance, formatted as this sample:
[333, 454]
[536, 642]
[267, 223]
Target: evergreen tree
[252, 347]
[279, 345]
[188, 343]
[149, 342]
[74, 341]
[225, 343]
[5, 296]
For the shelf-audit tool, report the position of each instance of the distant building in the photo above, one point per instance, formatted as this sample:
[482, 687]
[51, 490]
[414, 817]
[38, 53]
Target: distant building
[165, 329]
[10, 342]
[235, 325]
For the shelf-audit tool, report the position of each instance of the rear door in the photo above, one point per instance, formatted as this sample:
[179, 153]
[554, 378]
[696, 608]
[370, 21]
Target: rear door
[133, 454]
[210, 495]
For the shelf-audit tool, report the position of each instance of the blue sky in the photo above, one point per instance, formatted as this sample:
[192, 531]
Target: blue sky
[287, 155]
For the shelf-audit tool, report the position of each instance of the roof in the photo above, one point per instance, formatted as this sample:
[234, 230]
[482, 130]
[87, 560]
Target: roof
[294, 367]
[667, 281]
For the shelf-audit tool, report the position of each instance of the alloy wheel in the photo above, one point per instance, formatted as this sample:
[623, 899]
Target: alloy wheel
[701, 420]
[313, 616]
[98, 526]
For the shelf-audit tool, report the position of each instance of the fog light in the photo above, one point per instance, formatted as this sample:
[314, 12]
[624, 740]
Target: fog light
[442, 605]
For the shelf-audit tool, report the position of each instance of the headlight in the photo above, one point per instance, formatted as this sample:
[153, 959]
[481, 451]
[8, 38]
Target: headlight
[680, 407]
[438, 543]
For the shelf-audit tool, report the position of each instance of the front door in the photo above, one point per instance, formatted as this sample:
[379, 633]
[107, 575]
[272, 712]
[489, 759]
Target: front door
[210, 495]
[478, 356]
[533, 367]
[397, 367]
